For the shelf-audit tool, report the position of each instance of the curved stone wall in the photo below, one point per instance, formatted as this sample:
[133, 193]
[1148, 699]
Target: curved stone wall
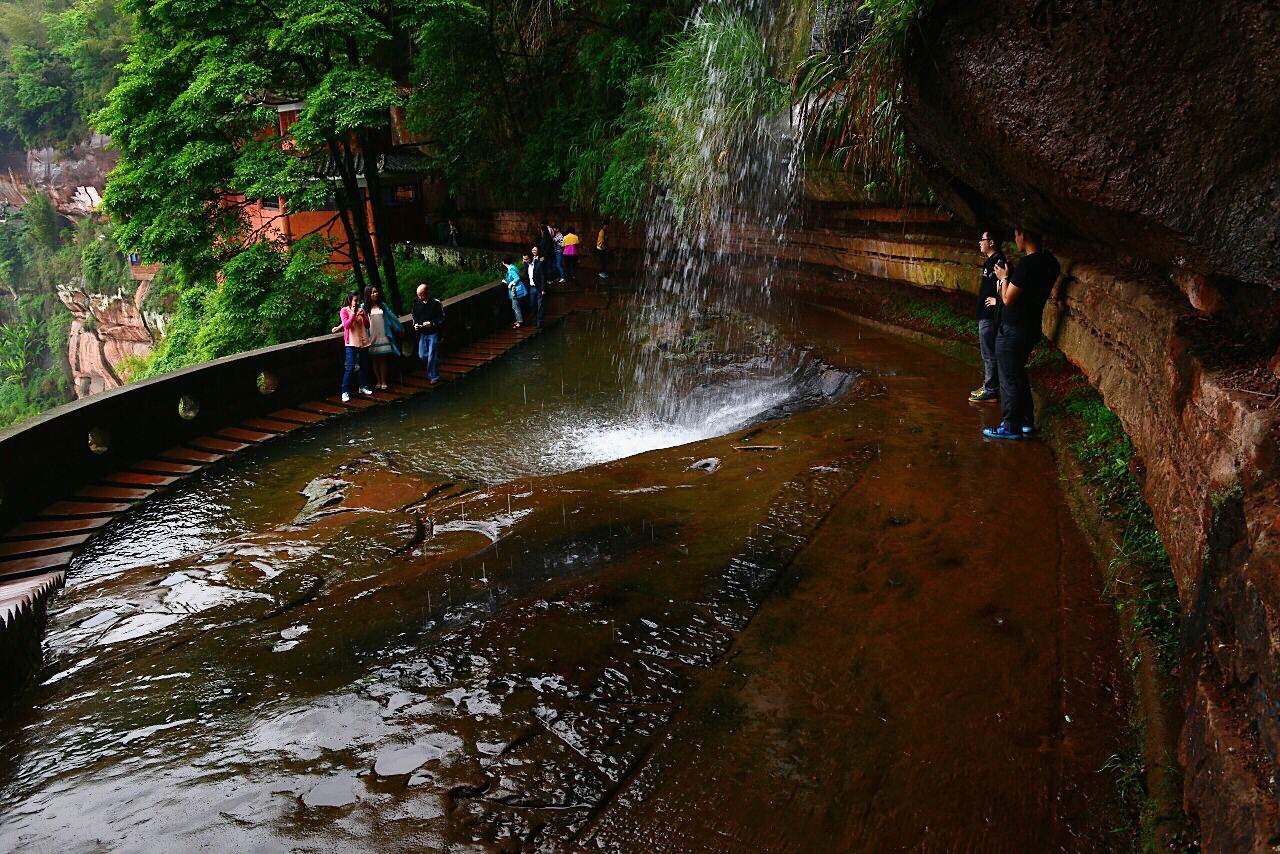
[71, 470]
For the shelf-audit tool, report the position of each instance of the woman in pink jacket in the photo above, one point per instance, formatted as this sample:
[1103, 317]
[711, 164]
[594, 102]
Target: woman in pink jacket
[353, 323]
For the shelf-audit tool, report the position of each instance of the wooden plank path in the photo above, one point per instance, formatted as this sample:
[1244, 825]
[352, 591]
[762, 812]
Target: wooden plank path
[35, 554]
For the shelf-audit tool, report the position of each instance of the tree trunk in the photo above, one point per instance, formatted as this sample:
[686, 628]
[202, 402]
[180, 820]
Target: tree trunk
[380, 230]
[355, 206]
[344, 214]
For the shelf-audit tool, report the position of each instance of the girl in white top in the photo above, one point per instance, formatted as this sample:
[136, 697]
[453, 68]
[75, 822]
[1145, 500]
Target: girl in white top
[384, 328]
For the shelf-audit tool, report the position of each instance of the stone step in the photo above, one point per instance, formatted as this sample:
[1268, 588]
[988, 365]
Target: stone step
[23, 548]
[213, 443]
[469, 358]
[269, 425]
[191, 455]
[406, 390]
[21, 593]
[23, 566]
[242, 435]
[84, 508]
[356, 402]
[165, 467]
[323, 407]
[46, 527]
[133, 478]
[418, 382]
[121, 493]
[297, 415]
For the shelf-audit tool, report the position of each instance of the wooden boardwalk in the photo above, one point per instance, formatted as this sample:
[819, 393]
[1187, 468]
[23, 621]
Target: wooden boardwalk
[35, 554]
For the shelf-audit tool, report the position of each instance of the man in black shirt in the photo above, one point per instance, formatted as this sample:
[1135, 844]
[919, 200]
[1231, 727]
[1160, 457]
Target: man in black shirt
[428, 320]
[1023, 294]
[537, 272]
[988, 318]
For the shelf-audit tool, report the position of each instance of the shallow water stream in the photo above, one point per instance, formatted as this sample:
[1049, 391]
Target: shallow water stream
[496, 625]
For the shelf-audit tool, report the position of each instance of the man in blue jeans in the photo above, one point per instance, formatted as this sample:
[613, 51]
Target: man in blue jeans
[428, 320]
[988, 318]
[536, 270]
[1023, 294]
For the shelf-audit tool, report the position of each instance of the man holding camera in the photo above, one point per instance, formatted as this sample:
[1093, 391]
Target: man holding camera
[1023, 294]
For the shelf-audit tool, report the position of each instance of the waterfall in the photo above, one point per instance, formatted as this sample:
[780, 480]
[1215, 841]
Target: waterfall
[729, 169]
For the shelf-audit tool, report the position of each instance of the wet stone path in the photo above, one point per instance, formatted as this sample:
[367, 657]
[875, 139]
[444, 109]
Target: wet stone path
[853, 627]
[34, 555]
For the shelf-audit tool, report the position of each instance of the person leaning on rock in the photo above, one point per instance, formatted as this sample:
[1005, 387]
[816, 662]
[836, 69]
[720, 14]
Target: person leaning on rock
[988, 317]
[1023, 294]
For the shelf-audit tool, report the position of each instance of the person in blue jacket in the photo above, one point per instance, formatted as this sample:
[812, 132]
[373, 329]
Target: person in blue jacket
[516, 289]
[384, 331]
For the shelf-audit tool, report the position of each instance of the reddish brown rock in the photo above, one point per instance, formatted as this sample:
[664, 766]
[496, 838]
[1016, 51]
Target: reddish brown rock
[1147, 127]
[105, 330]
[72, 177]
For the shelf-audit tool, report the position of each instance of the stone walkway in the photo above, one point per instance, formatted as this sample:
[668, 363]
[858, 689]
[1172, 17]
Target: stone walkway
[35, 554]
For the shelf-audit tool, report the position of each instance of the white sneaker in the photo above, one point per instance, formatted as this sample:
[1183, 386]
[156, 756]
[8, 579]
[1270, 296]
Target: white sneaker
[346, 398]
[366, 391]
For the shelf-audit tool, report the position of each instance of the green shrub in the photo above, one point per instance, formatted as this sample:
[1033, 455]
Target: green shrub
[941, 316]
[445, 281]
[1106, 456]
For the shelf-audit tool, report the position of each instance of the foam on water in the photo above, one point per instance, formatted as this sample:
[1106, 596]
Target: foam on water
[720, 410]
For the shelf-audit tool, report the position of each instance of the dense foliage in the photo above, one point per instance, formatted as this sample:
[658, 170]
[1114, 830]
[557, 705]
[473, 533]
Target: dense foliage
[39, 250]
[580, 102]
[850, 89]
[57, 61]
[544, 104]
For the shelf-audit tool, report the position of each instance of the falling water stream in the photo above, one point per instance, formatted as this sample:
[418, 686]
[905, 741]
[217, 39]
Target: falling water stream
[732, 169]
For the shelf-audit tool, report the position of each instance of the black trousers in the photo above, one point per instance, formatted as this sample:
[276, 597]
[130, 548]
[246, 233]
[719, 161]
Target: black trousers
[1013, 347]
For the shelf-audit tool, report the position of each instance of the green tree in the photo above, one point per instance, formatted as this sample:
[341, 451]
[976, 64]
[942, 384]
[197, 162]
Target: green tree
[193, 118]
[267, 294]
[57, 60]
[16, 340]
[536, 104]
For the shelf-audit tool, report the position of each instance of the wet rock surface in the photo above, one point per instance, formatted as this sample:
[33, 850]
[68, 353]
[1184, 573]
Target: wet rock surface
[1146, 127]
[639, 655]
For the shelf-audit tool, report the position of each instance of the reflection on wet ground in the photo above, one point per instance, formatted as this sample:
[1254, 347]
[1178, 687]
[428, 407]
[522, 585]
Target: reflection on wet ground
[869, 632]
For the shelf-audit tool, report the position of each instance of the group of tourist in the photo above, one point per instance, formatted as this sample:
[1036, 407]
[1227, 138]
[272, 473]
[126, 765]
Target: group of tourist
[553, 257]
[371, 335]
[371, 330]
[1010, 311]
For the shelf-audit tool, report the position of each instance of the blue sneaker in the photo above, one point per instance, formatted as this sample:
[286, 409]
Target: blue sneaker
[1001, 432]
[1029, 430]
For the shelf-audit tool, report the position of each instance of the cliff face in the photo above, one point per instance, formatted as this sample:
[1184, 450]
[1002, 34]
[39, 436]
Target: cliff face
[1147, 127]
[73, 178]
[106, 329]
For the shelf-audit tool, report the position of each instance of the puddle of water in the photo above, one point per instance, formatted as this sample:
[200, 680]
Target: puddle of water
[564, 401]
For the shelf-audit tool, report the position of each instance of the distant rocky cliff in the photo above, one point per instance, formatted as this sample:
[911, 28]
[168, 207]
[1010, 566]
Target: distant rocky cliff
[73, 178]
[106, 329]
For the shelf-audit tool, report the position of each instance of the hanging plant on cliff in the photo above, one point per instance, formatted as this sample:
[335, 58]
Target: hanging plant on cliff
[850, 91]
[712, 93]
